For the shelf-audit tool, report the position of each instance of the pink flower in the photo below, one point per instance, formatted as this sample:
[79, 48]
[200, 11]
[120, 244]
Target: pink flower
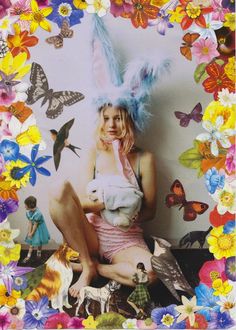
[230, 162]
[219, 12]
[43, 3]
[16, 323]
[4, 5]
[5, 320]
[119, 7]
[5, 118]
[5, 98]
[21, 7]
[57, 321]
[204, 50]
[75, 323]
[211, 270]
[2, 164]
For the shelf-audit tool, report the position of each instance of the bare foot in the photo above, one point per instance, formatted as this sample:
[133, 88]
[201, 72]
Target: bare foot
[77, 267]
[84, 280]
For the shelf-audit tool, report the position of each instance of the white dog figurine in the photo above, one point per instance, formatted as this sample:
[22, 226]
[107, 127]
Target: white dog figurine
[102, 295]
[122, 200]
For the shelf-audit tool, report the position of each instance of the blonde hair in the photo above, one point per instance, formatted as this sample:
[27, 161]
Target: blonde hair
[127, 136]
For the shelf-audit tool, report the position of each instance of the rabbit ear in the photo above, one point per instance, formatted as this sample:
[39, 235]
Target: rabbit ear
[105, 67]
[142, 74]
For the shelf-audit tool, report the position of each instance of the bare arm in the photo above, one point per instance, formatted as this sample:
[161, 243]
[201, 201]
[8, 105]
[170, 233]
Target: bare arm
[30, 226]
[33, 229]
[149, 185]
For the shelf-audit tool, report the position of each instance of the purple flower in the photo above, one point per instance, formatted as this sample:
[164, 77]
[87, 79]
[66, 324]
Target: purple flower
[6, 98]
[220, 321]
[9, 150]
[5, 320]
[230, 268]
[206, 299]
[19, 283]
[34, 165]
[37, 313]
[230, 162]
[214, 180]
[229, 4]
[9, 271]
[165, 318]
[7, 206]
[65, 10]
[162, 22]
[2, 164]
[120, 7]
[43, 3]
[75, 323]
[4, 5]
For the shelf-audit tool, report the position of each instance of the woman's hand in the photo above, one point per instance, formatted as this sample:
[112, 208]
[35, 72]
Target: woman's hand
[90, 206]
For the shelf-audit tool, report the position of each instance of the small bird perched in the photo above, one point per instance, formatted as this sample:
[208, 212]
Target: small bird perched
[167, 268]
[61, 141]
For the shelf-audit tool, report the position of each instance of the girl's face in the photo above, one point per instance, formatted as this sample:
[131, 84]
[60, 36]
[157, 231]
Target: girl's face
[112, 123]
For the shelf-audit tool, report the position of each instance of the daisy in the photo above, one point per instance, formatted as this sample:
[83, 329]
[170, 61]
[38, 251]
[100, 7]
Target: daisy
[226, 98]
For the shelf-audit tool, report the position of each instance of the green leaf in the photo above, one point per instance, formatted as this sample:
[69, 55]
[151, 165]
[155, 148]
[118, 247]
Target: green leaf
[191, 158]
[33, 280]
[200, 72]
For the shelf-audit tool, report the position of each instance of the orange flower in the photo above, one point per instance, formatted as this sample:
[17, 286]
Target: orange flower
[209, 160]
[19, 42]
[143, 11]
[193, 13]
[19, 110]
[6, 191]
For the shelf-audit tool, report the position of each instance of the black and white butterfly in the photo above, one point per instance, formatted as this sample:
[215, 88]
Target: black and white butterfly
[40, 88]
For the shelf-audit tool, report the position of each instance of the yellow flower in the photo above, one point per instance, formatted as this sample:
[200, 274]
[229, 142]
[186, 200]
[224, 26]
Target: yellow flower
[9, 254]
[230, 69]
[80, 4]
[221, 245]
[6, 298]
[11, 174]
[7, 234]
[230, 21]
[176, 15]
[158, 3]
[90, 323]
[37, 17]
[216, 109]
[31, 136]
[10, 65]
[221, 288]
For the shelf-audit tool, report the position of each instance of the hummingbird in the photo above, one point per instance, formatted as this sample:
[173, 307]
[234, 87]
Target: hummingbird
[61, 142]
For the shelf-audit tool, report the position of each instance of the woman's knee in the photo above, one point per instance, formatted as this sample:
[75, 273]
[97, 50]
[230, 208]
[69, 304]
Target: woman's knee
[60, 192]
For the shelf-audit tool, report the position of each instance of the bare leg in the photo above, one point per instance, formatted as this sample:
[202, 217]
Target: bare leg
[27, 258]
[134, 306]
[67, 214]
[124, 265]
[39, 251]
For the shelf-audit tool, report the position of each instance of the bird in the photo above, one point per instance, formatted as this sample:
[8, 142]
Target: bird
[61, 142]
[167, 268]
[194, 236]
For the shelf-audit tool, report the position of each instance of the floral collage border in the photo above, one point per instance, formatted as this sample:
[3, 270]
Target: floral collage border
[208, 27]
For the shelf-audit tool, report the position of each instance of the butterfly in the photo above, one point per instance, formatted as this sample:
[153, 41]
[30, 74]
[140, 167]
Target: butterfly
[57, 40]
[177, 197]
[185, 118]
[188, 39]
[56, 100]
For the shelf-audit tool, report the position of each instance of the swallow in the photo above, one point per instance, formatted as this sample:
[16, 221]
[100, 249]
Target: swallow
[61, 142]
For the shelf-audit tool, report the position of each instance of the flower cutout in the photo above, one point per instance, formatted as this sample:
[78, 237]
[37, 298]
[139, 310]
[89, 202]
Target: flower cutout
[19, 283]
[200, 322]
[75, 323]
[7, 235]
[80, 4]
[130, 324]
[6, 191]
[226, 199]
[21, 7]
[214, 180]
[37, 17]
[8, 82]
[146, 324]
[18, 110]
[100, 7]
[228, 4]
[221, 288]
[37, 313]
[14, 176]
[143, 11]
[206, 299]
[230, 268]
[15, 65]
[230, 69]
[6, 98]
[188, 309]
[226, 42]
[221, 321]
[230, 21]
[162, 22]
[20, 41]
[166, 318]
[204, 50]
[215, 136]
[221, 245]
[219, 11]
[228, 304]
[212, 270]
[5, 320]
[9, 150]
[120, 7]
[9, 254]
[226, 98]
[176, 15]
[16, 323]
[90, 323]
[217, 80]
[5, 118]
[17, 310]
[6, 207]
[5, 4]
[58, 321]
[65, 10]
[6, 298]
[6, 25]
[229, 227]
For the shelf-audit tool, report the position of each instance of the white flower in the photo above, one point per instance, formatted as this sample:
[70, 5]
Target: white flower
[228, 304]
[6, 24]
[214, 135]
[17, 310]
[226, 98]
[100, 7]
[209, 31]
[130, 324]
[20, 90]
[226, 199]
[7, 234]
[188, 309]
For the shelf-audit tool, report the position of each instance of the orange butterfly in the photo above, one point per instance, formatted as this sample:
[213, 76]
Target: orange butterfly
[188, 39]
[191, 209]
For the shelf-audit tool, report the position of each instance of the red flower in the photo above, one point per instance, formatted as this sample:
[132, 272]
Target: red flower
[141, 13]
[217, 219]
[193, 14]
[217, 80]
[211, 270]
[200, 322]
[57, 321]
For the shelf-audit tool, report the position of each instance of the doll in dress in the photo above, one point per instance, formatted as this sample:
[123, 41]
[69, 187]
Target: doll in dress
[38, 234]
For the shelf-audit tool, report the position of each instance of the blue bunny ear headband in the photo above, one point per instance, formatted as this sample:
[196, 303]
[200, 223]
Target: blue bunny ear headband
[132, 91]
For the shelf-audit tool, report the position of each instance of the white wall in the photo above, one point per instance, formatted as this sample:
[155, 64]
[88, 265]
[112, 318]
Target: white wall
[69, 68]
